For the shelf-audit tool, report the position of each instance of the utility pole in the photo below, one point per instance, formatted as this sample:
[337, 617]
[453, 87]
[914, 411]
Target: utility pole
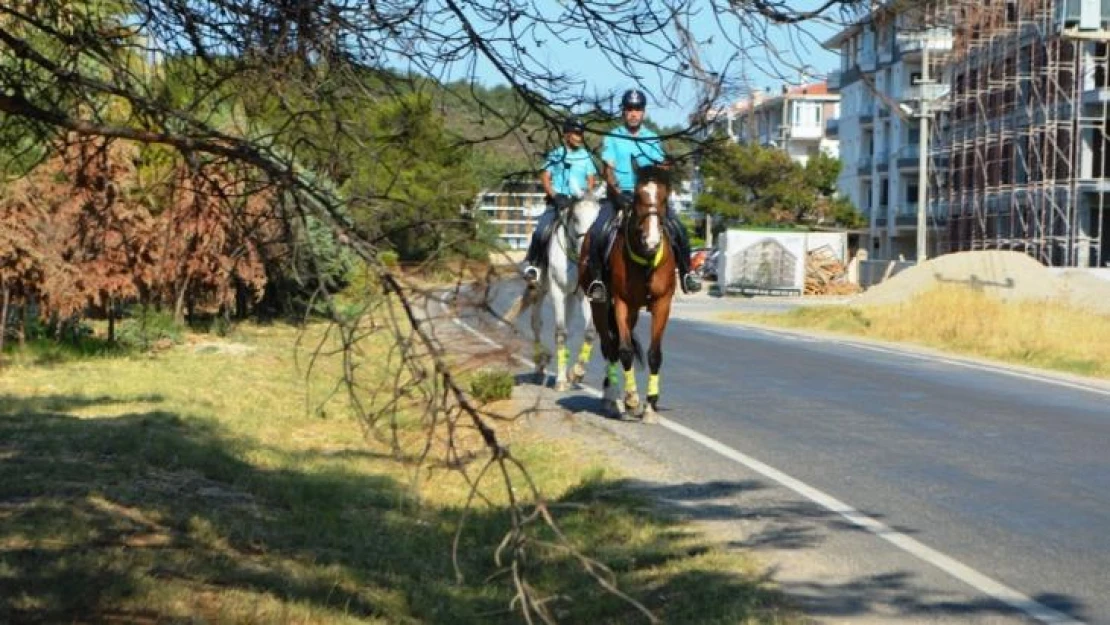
[923, 151]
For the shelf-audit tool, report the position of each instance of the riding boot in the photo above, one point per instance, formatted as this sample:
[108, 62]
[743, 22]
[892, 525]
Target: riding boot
[681, 246]
[595, 264]
[535, 260]
[531, 262]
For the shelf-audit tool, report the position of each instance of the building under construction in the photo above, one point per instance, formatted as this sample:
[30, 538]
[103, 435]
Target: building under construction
[1021, 151]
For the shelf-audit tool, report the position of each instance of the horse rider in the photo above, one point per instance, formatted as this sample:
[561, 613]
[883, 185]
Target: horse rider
[568, 174]
[631, 140]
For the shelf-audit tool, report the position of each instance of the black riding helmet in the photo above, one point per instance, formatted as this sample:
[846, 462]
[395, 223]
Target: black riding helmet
[573, 124]
[633, 99]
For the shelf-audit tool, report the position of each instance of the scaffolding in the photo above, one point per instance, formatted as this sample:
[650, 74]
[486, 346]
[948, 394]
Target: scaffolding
[1021, 157]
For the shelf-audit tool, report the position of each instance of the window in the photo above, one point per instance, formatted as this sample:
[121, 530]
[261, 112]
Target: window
[806, 114]
[911, 193]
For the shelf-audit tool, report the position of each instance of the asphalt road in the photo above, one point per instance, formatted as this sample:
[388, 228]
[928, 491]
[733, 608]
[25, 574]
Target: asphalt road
[1006, 473]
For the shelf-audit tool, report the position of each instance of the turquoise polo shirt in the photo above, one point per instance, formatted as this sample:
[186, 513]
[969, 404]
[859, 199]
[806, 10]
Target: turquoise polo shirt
[570, 170]
[621, 147]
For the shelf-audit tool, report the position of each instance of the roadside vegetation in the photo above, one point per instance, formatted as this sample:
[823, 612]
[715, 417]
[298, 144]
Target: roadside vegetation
[209, 481]
[1035, 334]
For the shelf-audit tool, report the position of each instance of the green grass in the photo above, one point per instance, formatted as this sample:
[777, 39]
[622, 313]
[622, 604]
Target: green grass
[196, 487]
[1035, 334]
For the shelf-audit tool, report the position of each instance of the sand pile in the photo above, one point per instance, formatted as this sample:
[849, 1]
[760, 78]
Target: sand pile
[1010, 276]
[1085, 291]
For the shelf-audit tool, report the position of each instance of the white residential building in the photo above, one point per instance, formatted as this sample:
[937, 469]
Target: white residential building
[514, 210]
[879, 141]
[795, 120]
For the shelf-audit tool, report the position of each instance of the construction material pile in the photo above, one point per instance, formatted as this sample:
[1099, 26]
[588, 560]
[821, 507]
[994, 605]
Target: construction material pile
[1010, 276]
[826, 274]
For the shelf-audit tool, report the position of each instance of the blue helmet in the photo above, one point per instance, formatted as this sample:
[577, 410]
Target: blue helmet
[573, 124]
[633, 99]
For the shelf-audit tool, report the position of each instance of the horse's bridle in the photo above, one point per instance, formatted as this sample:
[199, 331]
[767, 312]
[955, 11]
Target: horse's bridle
[632, 226]
[564, 221]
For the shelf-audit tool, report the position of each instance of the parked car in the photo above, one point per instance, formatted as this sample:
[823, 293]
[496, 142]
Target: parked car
[697, 258]
[707, 267]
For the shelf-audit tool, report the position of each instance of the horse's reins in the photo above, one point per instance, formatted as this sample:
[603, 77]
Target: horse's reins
[565, 219]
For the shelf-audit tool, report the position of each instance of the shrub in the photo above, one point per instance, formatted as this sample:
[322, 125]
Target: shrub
[491, 385]
[146, 327]
[389, 258]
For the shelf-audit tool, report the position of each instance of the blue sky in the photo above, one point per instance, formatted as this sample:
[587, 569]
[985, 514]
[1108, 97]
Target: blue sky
[763, 66]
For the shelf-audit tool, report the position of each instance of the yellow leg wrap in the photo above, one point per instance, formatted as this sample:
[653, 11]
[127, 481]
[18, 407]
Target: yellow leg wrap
[630, 380]
[653, 384]
[614, 373]
[563, 355]
[538, 350]
[584, 353]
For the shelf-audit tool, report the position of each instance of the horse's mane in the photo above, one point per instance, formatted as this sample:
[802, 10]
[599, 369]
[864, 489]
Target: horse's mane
[653, 173]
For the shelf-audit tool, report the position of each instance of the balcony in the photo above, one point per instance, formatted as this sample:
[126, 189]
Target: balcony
[805, 132]
[906, 215]
[912, 44]
[882, 160]
[930, 92]
[867, 114]
[863, 165]
[908, 157]
[880, 216]
[1080, 15]
[868, 61]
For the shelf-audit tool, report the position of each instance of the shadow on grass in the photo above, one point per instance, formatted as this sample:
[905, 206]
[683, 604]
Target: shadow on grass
[154, 517]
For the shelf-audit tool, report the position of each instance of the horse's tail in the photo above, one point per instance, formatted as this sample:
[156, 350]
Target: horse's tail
[527, 299]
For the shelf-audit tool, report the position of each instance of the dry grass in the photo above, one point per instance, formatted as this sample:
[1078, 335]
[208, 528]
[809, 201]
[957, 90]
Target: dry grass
[1037, 334]
[201, 486]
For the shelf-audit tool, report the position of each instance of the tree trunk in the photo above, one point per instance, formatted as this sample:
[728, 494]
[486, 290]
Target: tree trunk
[179, 305]
[24, 322]
[111, 320]
[3, 317]
[242, 299]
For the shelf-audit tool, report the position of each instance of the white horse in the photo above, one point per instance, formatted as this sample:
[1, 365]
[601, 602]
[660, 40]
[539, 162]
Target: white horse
[560, 280]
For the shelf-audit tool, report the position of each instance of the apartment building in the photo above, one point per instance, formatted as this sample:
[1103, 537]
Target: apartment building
[879, 82]
[795, 120]
[513, 209]
[1018, 139]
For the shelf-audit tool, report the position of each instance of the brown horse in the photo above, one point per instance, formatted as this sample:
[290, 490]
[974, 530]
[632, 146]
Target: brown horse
[641, 272]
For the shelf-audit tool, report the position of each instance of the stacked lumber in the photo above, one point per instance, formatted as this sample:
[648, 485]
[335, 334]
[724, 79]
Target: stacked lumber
[826, 274]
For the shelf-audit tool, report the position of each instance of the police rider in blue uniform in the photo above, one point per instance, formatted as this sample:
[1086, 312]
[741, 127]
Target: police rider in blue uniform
[568, 174]
[632, 141]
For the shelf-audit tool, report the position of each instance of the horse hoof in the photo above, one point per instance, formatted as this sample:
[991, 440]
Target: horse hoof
[562, 386]
[540, 377]
[650, 417]
[632, 403]
[614, 409]
[577, 373]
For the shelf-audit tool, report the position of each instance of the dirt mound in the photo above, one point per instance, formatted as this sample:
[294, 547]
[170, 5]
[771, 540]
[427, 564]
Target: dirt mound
[1085, 291]
[1010, 276]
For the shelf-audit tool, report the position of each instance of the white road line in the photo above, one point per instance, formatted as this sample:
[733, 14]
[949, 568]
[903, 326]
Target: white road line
[949, 565]
[954, 568]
